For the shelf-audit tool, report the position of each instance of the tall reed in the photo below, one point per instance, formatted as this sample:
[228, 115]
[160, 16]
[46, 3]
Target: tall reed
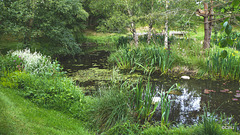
[227, 68]
[142, 101]
[148, 59]
[166, 104]
[212, 125]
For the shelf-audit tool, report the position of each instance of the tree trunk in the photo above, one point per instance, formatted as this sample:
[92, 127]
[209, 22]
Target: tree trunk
[135, 36]
[166, 28]
[150, 32]
[206, 43]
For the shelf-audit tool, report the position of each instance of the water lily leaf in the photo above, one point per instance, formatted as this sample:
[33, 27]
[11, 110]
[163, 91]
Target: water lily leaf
[228, 29]
[223, 54]
[237, 96]
[223, 42]
[234, 99]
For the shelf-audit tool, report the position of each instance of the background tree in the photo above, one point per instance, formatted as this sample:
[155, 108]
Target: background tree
[121, 14]
[55, 23]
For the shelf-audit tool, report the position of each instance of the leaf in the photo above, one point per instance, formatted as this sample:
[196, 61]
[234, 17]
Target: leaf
[235, 3]
[223, 54]
[238, 18]
[225, 24]
[223, 42]
[230, 41]
[228, 29]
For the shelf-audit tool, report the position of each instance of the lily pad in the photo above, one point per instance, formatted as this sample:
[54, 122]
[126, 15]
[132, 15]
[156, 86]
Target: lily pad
[234, 99]
[238, 95]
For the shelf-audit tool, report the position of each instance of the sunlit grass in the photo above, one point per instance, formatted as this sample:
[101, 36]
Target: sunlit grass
[19, 116]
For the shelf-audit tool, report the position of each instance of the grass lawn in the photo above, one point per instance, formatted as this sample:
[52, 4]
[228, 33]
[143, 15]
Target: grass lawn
[21, 117]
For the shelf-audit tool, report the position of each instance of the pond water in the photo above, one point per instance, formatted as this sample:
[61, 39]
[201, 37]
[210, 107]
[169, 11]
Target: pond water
[91, 70]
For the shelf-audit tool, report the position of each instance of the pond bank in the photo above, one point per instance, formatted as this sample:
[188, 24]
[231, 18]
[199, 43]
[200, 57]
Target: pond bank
[91, 71]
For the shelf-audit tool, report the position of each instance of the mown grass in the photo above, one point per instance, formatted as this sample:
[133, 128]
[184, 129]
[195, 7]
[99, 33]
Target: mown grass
[21, 117]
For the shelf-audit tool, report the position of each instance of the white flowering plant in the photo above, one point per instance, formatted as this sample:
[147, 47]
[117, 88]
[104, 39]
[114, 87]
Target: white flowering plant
[36, 63]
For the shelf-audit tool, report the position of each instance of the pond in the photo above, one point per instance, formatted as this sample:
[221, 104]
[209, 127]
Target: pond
[91, 70]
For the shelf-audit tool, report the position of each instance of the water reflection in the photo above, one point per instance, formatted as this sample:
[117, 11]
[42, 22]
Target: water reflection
[187, 107]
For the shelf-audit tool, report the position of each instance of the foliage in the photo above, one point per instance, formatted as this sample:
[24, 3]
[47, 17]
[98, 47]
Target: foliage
[212, 126]
[36, 63]
[20, 116]
[156, 39]
[165, 104]
[41, 81]
[124, 128]
[233, 38]
[58, 93]
[224, 65]
[108, 109]
[54, 22]
[10, 63]
[149, 59]
[142, 101]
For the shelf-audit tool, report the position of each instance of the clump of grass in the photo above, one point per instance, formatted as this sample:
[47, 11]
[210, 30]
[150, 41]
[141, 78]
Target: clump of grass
[223, 67]
[165, 105]
[108, 109]
[213, 126]
[148, 59]
[142, 101]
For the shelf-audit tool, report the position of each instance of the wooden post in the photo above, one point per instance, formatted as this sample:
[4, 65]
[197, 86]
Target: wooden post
[206, 43]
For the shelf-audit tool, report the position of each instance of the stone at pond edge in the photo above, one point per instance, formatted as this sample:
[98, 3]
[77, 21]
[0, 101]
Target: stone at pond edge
[156, 100]
[185, 77]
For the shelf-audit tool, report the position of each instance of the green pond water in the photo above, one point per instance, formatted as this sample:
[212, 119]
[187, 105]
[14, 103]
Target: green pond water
[92, 71]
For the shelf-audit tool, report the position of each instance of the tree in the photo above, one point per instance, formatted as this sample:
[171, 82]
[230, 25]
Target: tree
[225, 11]
[121, 14]
[55, 22]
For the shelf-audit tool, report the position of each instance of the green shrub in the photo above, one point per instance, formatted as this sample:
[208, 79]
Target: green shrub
[59, 93]
[10, 63]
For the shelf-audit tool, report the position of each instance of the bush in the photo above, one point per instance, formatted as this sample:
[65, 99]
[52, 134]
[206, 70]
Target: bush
[10, 63]
[36, 63]
[58, 93]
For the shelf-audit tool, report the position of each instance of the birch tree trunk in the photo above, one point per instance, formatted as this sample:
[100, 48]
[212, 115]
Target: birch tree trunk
[135, 36]
[150, 32]
[166, 28]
